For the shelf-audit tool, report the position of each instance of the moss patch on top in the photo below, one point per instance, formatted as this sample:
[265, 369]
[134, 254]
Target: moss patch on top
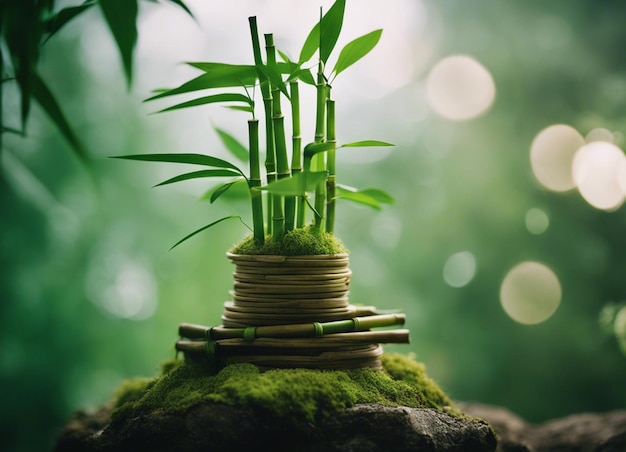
[285, 392]
[299, 242]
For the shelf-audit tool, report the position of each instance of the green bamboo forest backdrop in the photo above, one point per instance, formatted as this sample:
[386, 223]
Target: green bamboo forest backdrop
[90, 294]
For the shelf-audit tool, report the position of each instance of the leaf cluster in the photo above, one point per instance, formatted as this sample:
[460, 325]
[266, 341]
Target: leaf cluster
[26, 25]
[288, 182]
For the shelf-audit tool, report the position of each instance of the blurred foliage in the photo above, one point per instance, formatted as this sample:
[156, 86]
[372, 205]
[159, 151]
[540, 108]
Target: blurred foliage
[26, 25]
[74, 243]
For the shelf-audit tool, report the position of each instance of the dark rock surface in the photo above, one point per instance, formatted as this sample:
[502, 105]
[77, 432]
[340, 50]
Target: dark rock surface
[585, 432]
[225, 427]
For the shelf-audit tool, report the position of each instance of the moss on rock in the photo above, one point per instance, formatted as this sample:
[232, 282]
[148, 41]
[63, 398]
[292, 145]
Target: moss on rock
[299, 242]
[312, 394]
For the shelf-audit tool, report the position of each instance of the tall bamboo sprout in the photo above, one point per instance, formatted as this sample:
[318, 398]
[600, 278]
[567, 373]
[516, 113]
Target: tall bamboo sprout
[270, 156]
[320, 136]
[296, 151]
[255, 182]
[331, 180]
[280, 145]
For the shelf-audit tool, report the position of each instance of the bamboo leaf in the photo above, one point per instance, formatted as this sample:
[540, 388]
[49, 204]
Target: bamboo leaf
[226, 97]
[241, 108]
[311, 44]
[60, 19]
[192, 159]
[216, 75]
[183, 6]
[330, 27]
[371, 197]
[273, 74]
[199, 174]
[304, 75]
[197, 231]
[44, 97]
[219, 191]
[237, 190]
[296, 185]
[365, 144]
[355, 50]
[233, 145]
[121, 16]
[315, 148]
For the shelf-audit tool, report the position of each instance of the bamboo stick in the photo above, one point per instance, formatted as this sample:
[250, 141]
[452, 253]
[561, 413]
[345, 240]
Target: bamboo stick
[332, 340]
[293, 330]
[255, 182]
[270, 156]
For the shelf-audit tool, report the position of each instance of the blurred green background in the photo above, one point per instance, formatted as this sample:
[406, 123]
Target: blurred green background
[90, 294]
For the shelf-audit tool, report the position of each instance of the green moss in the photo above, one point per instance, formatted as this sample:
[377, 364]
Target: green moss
[302, 392]
[299, 242]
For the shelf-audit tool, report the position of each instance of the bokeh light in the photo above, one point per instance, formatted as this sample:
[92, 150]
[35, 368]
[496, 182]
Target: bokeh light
[600, 134]
[595, 172]
[551, 156]
[530, 293]
[537, 221]
[122, 287]
[460, 88]
[459, 269]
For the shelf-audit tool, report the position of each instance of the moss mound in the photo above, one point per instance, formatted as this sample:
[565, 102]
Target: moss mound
[299, 242]
[301, 392]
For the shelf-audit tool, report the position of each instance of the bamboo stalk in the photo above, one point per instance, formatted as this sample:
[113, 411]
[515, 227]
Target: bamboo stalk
[331, 181]
[298, 217]
[256, 196]
[333, 340]
[320, 136]
[270, 153]
[280, 145]
[293, 330]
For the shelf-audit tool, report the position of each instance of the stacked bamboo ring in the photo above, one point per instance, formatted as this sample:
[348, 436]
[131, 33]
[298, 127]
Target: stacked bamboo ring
[293, 311]
[280, 290]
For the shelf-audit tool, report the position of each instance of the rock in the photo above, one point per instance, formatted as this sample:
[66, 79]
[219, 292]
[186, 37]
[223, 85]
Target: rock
[210, 426]
[588, 432]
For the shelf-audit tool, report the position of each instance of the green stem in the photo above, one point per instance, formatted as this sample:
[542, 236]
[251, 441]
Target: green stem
[296, 143]
[280, 145]
[270, 153]
[255, 182]
[320, 136]
[331, 181]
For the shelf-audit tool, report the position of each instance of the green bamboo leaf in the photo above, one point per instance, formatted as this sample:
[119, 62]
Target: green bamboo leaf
[216, 75]
[183, 6]
[216, 98]
[295, 71]
[330, 27]
[355, 50]
[233, 145]
[219, 191]
[199, 174]
[296, 185]
[311, 44]
[365, 144]
[371, 197]
[60, 19]
[192, 159]
[237, 190]
[273, 74]
[121, 16]
[241, 108]
[315, 148]
[44, 97]
[197, 231]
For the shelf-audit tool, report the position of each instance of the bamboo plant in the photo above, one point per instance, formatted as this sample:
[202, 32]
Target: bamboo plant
[287, 182]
